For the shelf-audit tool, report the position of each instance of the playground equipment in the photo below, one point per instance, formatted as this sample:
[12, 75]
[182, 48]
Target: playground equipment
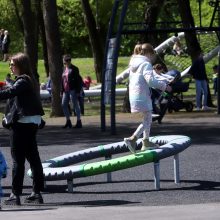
[96, 90]
[64, 168]
[123, 26]
[159, 49]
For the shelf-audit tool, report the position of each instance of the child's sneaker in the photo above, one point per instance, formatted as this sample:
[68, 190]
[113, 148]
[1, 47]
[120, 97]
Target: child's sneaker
[131, 143]
[147, 145]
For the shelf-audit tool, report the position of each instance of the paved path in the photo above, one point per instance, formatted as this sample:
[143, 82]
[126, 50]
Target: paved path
[182, 212]
[131, 194]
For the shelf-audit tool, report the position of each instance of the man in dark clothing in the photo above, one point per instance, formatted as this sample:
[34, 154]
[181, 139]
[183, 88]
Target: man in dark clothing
[198, 71]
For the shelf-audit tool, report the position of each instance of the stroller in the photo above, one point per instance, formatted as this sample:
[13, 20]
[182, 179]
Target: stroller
[163, 101]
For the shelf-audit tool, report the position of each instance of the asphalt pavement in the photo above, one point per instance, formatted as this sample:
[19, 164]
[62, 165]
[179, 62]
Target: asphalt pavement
[131, 193]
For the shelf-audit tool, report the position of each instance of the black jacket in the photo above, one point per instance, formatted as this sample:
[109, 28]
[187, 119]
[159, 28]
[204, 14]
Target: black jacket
[22, 91]
[74, 79]
[198, 70]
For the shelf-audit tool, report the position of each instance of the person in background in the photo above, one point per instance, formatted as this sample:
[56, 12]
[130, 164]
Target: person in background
[86, 84]
[177, 48]
[141, 78]
[71, 88]
[49, 85]
[80, 100]
[25, 107]
[161, 73]
[5, 45]
[198, 71]
[215, 79]
[1, 39]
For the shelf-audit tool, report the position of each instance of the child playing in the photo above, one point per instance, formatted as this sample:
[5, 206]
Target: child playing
[140, 80]
[3, 172]
[86, 84]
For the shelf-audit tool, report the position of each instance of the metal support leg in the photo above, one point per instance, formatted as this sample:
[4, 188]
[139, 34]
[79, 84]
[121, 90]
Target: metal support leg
[157, 175]
[70, 185]
[45, 184]
[176, 169]
[109, 175]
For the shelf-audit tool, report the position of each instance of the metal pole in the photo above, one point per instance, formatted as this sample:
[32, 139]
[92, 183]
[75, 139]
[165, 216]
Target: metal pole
[109, 175]
[109, 34]
[157, 175]
[115, 61]
[200, 15]
[70, 185]
[176, 169]
[218, 85]
[218, 79]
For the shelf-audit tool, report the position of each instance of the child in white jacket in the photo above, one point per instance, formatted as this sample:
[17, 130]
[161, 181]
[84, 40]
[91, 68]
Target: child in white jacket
[141, 78]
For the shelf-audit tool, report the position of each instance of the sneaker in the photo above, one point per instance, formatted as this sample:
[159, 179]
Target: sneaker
[206, 108]
[34, 198]
[147, 145]
[131, 143]
[197, 109]
[13, 200]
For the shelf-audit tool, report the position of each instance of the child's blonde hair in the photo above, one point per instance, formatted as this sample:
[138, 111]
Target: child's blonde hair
[137, 49]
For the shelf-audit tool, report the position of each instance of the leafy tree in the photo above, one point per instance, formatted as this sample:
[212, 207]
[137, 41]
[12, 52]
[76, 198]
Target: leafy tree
[74, 34]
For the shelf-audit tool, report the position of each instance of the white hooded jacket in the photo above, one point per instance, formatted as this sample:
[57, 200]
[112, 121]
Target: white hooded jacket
[141, 78]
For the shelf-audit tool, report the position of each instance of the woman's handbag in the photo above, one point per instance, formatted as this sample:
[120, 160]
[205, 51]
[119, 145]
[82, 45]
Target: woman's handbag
[11, 115]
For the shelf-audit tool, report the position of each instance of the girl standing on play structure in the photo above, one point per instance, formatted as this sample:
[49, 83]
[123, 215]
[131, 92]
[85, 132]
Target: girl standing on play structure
[141, 78]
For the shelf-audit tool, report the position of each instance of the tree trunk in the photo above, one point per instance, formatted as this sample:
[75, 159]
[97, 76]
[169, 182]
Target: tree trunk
[151, 14]
[30, 35]
[54, 53]
[95, 39]
[192, 43]
[20, 23]
[43, 36]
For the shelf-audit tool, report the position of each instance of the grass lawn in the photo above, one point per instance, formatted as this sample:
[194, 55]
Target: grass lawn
[85, 66]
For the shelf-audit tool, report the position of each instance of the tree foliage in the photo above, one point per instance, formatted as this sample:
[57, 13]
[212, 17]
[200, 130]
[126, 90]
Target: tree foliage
[74, 34]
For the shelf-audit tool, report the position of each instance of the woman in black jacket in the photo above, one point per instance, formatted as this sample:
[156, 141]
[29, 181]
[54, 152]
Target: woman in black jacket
[26, 110]
[71, 88]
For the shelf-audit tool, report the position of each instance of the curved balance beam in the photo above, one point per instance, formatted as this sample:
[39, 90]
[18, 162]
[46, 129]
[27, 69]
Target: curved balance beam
[62, 168]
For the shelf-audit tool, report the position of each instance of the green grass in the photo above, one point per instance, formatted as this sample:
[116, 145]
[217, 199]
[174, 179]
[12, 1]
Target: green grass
[85, 65]
[4, 70]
